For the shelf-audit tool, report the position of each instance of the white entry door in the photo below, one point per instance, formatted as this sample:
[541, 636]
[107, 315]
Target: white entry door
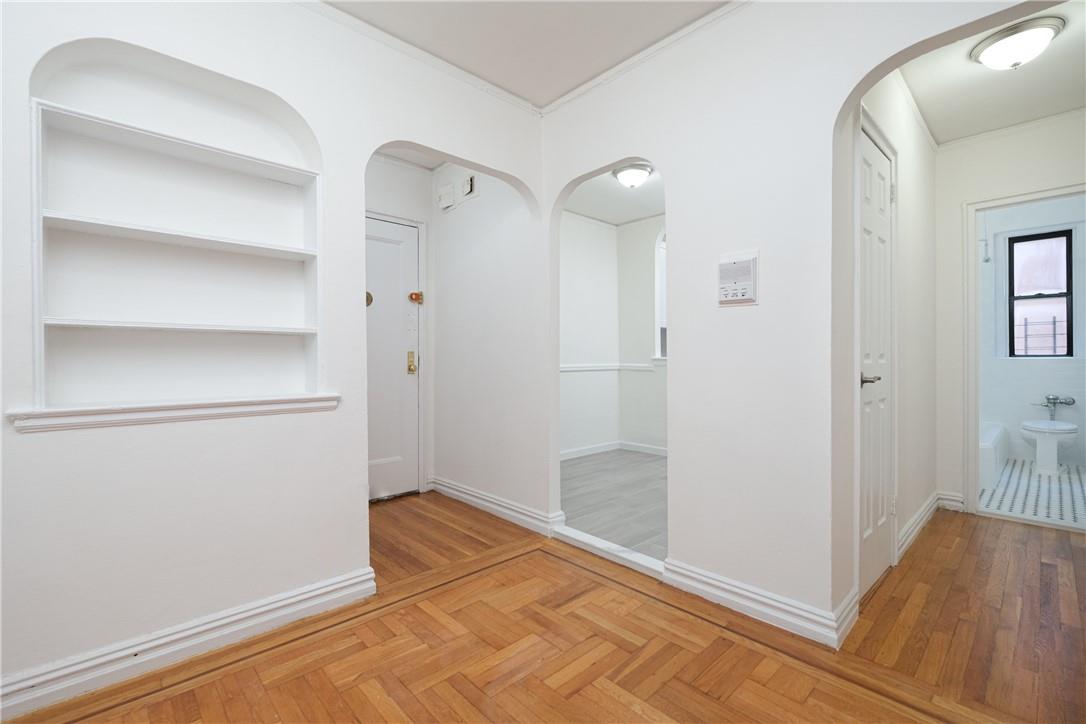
[392, 348]
[876, 365]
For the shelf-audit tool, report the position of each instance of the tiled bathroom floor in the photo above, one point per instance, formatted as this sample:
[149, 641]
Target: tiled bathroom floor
[1025, 495]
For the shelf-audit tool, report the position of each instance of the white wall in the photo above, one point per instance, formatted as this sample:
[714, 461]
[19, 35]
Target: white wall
[743, 175]
[397, 188]
[894, 111]
[1030, 158]
[590, 335]
[90, 516]
[1010, 387]
[608, 318]
[488, 352]
[115, 533]
[642, 380]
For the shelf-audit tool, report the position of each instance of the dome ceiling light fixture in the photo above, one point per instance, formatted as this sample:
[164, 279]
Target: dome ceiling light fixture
[1014, 46]
[632, 175]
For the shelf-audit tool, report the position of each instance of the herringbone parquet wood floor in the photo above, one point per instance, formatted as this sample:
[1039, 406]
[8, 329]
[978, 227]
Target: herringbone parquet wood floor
[482, 621]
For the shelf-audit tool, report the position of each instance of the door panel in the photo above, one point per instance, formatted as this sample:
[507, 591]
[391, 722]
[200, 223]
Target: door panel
[392, 331]
[876, 361]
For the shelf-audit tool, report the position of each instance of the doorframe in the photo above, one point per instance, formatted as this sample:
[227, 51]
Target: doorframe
[869, 126]
[425, 345]
[970, 346]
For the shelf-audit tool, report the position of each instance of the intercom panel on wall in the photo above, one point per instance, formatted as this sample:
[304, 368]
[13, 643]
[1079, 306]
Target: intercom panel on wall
[737, 276]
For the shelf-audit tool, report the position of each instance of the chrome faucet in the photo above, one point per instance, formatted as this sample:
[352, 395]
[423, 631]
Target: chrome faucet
[1051, 401]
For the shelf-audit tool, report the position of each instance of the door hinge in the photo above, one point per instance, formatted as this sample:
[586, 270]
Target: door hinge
[893, 193]
[415, 297]
[893, 506]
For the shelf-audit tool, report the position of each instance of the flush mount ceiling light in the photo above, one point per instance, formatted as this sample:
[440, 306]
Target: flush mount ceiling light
[633, 175]
[1017, 45]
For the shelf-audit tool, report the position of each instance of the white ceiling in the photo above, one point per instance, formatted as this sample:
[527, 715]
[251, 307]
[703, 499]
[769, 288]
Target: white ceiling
[605, 199]
[959, 97]
[538, 51]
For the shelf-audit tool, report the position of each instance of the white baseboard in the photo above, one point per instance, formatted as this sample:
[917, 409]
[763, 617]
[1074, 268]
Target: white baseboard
[950, 501]
[846, 614]
[826, 627]
[31, 689]
[580, 452]
[638, 447]
[908, 532]
[611, 551]
[522, 515]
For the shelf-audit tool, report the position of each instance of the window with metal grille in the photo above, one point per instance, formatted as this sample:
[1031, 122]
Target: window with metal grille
[1040, 295]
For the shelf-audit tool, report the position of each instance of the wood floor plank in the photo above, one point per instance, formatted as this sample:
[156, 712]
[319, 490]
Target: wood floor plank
[981, 621]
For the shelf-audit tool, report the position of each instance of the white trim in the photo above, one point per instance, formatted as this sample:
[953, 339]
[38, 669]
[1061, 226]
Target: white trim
[360, 26]
[34, 688]
[394, 161]
[600, 367]
[72, 418]
[522, 515]
[908, 532]
[640, 447]
[580, 452]
[918, 115]
[608, 367]
[393, 43]
[846, 614]
[591, 219]
[175, 326]
[84, 123]
[637, 59]
[611, 551]
[122, 230]
[950, 501]
[1007, 130]
[825, 627]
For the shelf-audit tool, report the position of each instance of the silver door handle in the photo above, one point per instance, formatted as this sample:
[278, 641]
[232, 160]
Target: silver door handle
[865, 380]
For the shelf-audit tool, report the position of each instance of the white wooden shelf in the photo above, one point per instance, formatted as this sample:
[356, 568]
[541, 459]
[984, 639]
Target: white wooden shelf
[53, 322]
[87, 124]
[72, 418]
[117, 229]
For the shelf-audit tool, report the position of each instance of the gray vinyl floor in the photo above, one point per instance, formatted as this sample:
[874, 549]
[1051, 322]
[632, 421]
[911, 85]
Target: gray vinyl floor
[620, 496]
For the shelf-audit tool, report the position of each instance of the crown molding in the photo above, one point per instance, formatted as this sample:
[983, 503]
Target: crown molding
[638, 58]
[390, 41]
[350, 22]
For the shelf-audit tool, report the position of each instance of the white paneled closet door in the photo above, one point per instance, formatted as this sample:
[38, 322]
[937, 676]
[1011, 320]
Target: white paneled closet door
[876, 365]
[392, 357]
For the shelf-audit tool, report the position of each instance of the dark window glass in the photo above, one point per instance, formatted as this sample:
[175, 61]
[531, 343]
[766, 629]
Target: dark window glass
[1040, 300]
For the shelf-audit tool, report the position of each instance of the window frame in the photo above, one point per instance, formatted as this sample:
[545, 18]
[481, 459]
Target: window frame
[1067, 295]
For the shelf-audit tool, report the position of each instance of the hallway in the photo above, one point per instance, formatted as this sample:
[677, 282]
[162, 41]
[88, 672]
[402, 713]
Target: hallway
[619, 496]
[477, 619]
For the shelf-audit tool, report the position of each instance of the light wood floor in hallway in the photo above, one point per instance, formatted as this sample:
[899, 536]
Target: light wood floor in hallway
[479, 620]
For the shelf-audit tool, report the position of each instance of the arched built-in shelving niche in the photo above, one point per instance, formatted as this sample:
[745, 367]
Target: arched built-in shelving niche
[176, 235]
